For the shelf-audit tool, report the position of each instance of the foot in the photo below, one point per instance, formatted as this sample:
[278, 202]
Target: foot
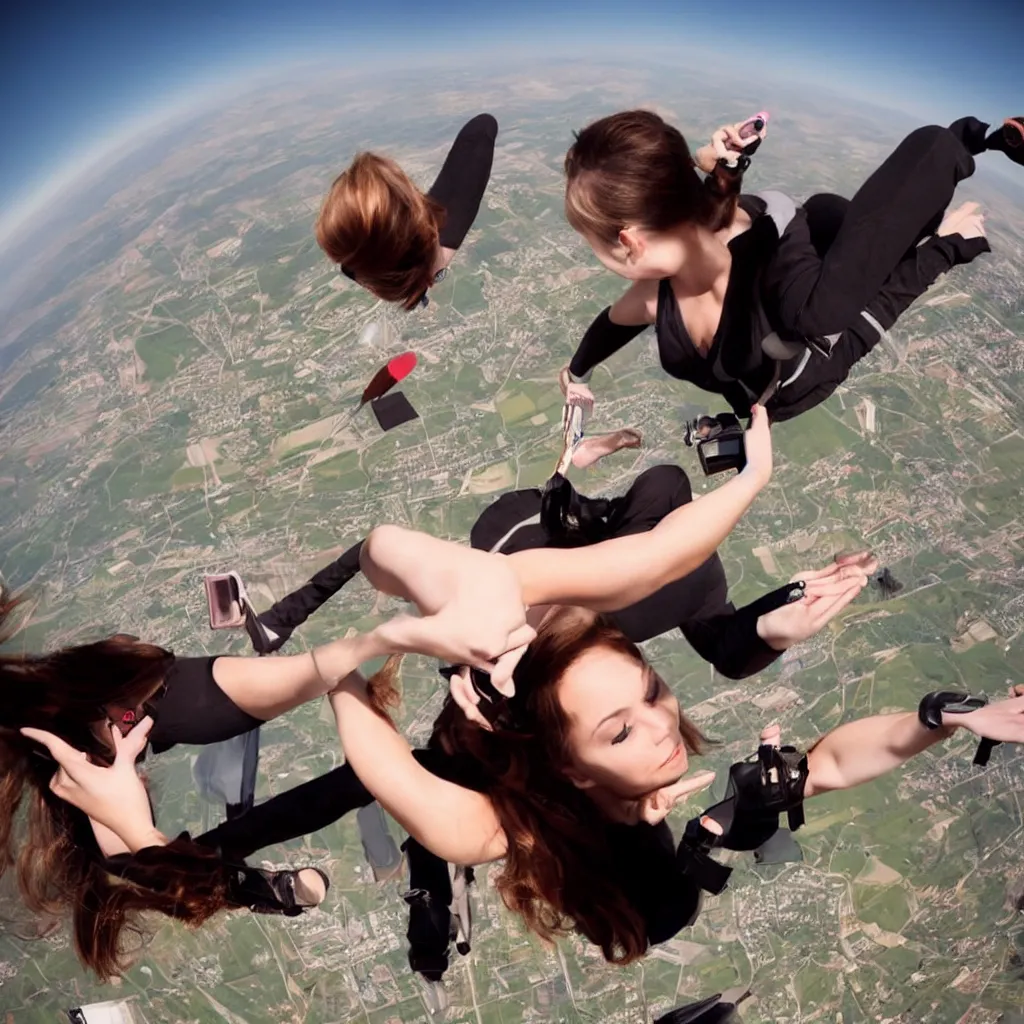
[966, 220]
[1008, 138]
[591, 449]
[310, 887]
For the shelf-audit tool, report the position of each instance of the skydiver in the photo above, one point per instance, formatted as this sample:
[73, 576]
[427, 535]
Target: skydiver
[93, 696]
[754, 297]
[586, 755]
[391, 238]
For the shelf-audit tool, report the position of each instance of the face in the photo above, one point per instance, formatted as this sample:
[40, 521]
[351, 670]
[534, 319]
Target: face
[624, 733]
[641, 255]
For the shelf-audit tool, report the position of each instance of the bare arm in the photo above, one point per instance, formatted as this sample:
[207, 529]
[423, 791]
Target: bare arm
[861, 751]
[601, 577]
[457, 824]
[616, 573]
[268, 687]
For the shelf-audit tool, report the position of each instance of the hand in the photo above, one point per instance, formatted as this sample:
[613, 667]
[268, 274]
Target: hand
[655, 807]
[576, 394]
[966, 220]
[1002, 720]
[464, 694]
[481, 622]
[827, 592]
[725, 144]
[115, 796]
[758, 445]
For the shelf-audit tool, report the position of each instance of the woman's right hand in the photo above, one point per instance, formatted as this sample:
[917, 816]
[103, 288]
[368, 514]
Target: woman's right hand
[113, 796]
[1002, 720]
[758, 446]
[725, 144]
[576, 394]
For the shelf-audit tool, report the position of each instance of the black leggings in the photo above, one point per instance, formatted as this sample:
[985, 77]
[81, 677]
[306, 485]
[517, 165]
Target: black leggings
[870, 260]
[901, 203]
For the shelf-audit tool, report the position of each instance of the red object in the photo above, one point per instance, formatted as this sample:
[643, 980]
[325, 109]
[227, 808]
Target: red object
[401, 366]
[388, 376]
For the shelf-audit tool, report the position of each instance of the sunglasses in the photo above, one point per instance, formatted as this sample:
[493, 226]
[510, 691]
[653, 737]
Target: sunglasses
[421, 301]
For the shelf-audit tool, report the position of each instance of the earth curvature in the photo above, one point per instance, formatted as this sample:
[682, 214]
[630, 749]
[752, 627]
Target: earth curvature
[179, 371]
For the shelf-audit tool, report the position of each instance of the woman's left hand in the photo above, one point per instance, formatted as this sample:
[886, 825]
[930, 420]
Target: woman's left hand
[113, 796]
[654, 807]
[828, 591]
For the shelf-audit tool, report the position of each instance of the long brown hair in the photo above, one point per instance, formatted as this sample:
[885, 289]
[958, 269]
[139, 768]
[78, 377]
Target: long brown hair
[51, 845]
[382, 229]
[559, 872]
[634, 168]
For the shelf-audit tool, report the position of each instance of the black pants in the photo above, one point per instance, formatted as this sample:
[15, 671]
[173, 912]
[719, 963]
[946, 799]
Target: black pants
[293, 609]
[901, 203]
[869, 255]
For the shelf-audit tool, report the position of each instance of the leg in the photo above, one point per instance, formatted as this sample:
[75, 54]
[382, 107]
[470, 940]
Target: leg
[913, 276]
[655, 492]
[591, 449]
[293, 609]
[825, 215]
[885, 219]
[429, 899]
[299, 811]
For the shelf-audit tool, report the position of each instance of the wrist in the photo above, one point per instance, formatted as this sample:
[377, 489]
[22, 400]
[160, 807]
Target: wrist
[764, 631]
[142, 838]
[752, 478]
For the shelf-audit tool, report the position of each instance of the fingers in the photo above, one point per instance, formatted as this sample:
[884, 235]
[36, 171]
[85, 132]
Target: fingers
[464, 694]
[834, 586]
[63, 753]
[828, 608]
[858, 563]
[711, 825]
[501, 673]
[771, 734]
[127, 748]
[654, 808]
[758, 417]
[690, 784]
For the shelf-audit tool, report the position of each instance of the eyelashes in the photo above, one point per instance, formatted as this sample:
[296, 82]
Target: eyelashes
[653, 692]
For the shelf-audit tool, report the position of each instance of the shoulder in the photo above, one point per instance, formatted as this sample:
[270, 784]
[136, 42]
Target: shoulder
[639, 305]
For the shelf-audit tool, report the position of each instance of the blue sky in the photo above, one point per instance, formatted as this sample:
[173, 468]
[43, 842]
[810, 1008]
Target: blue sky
[72, 74]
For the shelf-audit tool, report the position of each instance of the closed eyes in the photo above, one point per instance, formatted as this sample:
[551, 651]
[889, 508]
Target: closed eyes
[653, 692]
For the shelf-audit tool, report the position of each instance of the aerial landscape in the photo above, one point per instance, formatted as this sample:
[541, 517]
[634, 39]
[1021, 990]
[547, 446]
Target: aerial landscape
[179, 388]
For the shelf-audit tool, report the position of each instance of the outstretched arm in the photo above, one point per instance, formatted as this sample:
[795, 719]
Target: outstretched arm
[602, 577]
[861, 751]
[619, 572]
[455, 823]
[612, 329]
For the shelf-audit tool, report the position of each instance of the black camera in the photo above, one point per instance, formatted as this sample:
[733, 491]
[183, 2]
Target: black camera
[719, 442]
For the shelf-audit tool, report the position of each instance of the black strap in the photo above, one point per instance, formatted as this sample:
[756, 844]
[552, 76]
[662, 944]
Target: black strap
[694, 860]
